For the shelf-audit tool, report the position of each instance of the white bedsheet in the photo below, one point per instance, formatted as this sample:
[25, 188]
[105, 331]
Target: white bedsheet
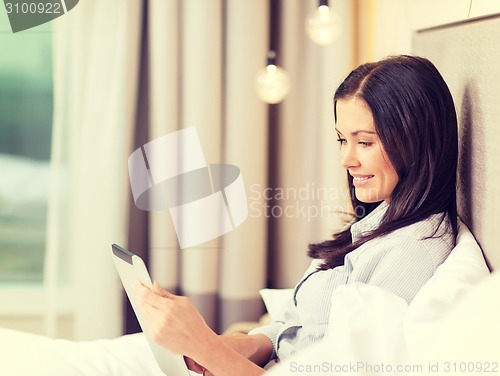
[23, 354]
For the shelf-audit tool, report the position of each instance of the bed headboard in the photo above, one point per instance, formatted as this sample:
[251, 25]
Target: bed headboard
[468, 56]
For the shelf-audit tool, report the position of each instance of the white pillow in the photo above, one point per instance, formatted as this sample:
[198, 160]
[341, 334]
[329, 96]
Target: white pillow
[276, 301]
[459, 273]
[471, 332]
[464, 267]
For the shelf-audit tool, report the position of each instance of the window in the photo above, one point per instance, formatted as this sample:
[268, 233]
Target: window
[26, 102]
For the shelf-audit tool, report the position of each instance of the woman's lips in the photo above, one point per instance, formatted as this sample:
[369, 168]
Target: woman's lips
[360, 180]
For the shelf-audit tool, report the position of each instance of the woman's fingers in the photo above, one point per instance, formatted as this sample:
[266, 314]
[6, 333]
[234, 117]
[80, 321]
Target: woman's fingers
[156, 298]
[173, 322]
[147, 297]
[158, 290]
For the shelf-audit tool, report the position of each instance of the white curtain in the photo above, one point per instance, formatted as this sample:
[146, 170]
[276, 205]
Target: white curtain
[309, 165]
[95, 70]
[203, 57]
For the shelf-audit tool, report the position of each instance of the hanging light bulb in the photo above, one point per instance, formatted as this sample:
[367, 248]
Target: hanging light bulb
[273, 82]
[323, 26]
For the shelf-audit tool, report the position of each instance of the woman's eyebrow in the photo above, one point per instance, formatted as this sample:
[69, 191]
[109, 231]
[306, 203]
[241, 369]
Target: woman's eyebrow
[355, 133]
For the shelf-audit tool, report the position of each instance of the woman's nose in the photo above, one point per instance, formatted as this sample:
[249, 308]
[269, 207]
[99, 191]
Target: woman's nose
[348, 157]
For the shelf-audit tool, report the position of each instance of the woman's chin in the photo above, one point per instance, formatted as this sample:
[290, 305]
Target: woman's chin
[368, 199]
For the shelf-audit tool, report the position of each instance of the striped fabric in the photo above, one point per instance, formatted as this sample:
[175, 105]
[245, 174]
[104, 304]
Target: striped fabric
[400, 262]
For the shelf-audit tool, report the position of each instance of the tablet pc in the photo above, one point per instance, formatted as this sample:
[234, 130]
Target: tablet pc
[131, 268]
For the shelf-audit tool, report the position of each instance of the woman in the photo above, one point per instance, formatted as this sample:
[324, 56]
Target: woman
[397, 130]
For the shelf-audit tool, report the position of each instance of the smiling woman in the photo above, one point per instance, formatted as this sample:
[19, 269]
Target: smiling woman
[406, 101]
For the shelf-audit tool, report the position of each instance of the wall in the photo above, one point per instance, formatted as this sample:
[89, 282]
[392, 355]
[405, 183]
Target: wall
[466, 54]
[386, 26]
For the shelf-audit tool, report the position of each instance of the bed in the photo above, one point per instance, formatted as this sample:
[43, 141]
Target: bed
[372, 329]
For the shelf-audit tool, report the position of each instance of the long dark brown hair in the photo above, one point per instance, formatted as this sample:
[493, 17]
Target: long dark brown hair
[416, 122]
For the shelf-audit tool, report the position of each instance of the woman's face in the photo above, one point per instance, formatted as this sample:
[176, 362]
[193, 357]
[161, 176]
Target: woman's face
[362, 153]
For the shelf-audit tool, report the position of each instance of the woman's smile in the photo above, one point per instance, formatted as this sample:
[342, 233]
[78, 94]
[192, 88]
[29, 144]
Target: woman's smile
[360, 180]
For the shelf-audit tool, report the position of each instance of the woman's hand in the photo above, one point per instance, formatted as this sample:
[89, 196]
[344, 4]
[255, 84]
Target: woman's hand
[174, 323]
[256, 348]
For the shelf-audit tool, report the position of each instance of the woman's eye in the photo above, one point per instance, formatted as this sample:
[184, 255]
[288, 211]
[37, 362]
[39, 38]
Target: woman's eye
[365, 143]
[341, 141]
